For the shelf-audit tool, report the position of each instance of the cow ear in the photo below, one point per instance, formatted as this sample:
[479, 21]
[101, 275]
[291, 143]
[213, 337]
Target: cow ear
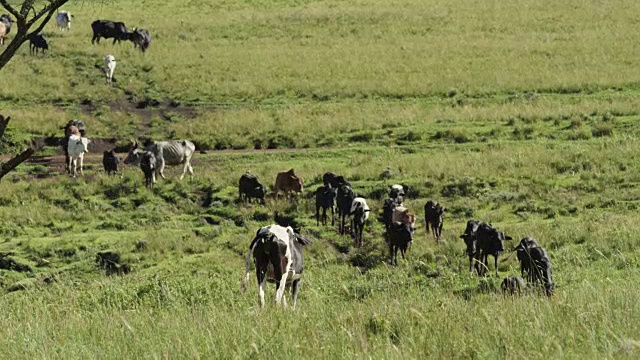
[507, 237]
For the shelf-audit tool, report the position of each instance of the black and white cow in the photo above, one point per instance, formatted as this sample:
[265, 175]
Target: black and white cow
[63, 19]
[277, 255]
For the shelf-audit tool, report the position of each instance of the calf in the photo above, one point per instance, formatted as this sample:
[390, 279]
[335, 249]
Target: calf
[37, 41]
[173, 152]
[73, 127]
[325, 199]
[512, 284]
[142, 38]
[76, 148]
[399, 236]
[344, 201]
[110, 162]
[277, 255]
[110, 29]
[433, 218]
[109, 67]
[535, 264]
[249, 187]
[489, 242]
[288, 182]
[148, 163]
[360, 214]
[63, 19]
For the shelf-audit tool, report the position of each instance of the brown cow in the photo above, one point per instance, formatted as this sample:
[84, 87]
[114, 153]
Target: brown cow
[288, 182]
[402, 215]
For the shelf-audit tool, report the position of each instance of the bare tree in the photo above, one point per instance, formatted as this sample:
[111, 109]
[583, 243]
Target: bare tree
[25, 23]
[6, 167]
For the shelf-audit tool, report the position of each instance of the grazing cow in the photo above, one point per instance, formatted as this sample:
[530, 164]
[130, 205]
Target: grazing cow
[325, 199]
[489, 242]
[172, 152]
[110, 162]
[469, 237]
[387, 210]
[535, 264]
[344, 201]
[63, 18]
[277, 255]
[334, 180]
[433, 218]
[148, 163]
[249, 187]
[76, 148]
[109, 67]
[37, 41]
[512, 284]
[360, 213]
[142, 38]
[288, 182]
[399, 236]
[396, 190]
[110, 29]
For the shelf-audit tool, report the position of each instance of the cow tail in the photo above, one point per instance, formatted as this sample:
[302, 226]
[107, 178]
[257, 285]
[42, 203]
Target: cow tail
[247, 267]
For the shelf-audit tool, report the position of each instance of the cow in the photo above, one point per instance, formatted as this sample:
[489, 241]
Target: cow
[334, 180]
[109, 67]
[76, 148]
[512, 284]
[489, 242]
[401, 214]
[469, 237]
[37, 41]
[344, 201]
[399, 237]
[325, 199]
[110, 29]
[433, 218]
[63, 19]
[277, 255]
[396, 190]
[387, 210]
[249, 187]
[148, 164]
[110, 162]
[172, 152]
[5, 27]
[73, 127]
[360, 214]
[142, 38]
[535, 264]
[288, 182]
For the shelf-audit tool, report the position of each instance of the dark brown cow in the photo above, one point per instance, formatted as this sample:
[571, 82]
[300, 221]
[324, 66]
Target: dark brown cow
[433, 218]
[288, 182]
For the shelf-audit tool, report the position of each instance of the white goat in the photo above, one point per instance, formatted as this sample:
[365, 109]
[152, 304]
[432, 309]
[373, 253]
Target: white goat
[109, 67]
[63, 18]
[77, 147]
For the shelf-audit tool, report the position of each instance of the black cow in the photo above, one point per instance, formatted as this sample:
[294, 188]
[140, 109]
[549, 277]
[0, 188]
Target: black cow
[142, 38]
[68, 129]
[277, 255]
[433, 218]
[345, 200]
[330, 178]
[110, 162]
[250, 188]
[399, 236]
[110, 29]
[148, 163]
[535, 264]
[37, 41]
[489, 242]
[469, 237]
[325, 199]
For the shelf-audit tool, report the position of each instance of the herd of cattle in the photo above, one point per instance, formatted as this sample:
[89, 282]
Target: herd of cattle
[101, 29]
[277, 250]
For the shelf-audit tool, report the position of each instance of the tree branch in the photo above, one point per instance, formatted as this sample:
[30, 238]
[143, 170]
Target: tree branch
[10, 9]
[53, 6]
[15, 161]
[45, 21]
[26, 6]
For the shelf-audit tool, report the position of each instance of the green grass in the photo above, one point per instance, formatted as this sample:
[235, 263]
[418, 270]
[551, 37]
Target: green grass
[523, 114]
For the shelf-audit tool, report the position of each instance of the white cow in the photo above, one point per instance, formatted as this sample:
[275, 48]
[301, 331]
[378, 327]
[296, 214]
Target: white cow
[360, 212]
[109, 67]
[77, 147]
[63, 18]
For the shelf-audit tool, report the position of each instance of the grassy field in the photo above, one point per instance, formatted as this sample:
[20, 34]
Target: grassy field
[522, 114]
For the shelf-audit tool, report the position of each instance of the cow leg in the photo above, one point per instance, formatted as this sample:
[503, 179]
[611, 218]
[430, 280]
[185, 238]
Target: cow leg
[81, 159]
[190, 169]
[295, 288]
[495, 257]
[114, 41]
[161, 168]
[332, 216]
[317, 215]
[261, 281]
[185, 168]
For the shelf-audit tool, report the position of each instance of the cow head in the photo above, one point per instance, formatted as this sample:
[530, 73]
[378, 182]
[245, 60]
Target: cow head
[134, 154]
[296, 184]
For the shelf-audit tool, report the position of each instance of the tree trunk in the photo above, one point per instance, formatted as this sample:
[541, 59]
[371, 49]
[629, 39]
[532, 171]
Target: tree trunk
[15, 161]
